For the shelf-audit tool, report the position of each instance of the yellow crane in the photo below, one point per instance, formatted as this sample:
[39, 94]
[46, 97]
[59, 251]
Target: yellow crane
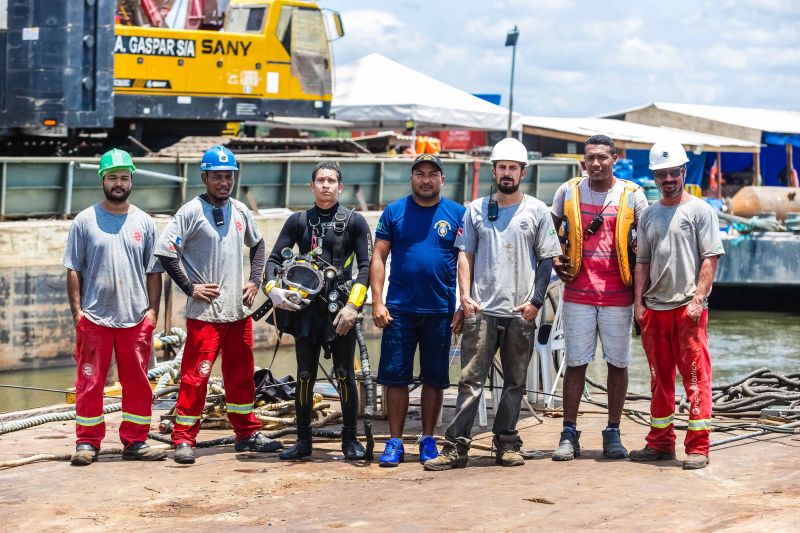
[271, 58]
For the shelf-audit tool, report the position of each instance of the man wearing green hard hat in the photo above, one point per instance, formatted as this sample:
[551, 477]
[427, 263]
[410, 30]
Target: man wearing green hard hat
[114, 287]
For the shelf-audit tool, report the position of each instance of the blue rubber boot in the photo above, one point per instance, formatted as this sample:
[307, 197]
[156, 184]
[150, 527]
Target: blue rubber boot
[393, 454]
[427, 449]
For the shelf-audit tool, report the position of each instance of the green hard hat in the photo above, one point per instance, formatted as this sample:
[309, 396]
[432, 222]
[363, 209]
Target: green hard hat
[115, 159]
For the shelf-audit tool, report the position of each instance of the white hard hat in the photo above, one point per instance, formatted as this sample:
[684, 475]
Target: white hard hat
[510, 149]
[667, 154]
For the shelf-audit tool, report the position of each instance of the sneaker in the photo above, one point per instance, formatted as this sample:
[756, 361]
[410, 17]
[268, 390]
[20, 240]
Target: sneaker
[695, 461]
[141, 451]
[427, 449]
[85, 454]
[508, 453]
[612, 445]
[257, 442]
[650, 454]
[393, 454]
[184, 454]
[451, 456]
[569, 446]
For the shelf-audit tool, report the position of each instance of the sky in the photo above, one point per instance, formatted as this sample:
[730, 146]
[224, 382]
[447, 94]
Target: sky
[583, 58]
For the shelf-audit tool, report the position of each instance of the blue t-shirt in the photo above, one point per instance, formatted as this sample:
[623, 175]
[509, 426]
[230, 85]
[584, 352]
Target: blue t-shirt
[422, 276]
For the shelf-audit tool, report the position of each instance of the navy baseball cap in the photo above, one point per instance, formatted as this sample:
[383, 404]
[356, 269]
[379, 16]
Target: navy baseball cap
[428, 158]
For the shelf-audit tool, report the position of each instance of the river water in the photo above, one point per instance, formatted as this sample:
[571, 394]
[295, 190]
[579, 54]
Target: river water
[740, 342]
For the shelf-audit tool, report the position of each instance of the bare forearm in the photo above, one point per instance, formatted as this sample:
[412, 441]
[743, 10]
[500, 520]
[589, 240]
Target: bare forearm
[154, 291]
[708, 270]
[377, 275]
[74, 290]
[377, 269]
[641, 282]
[465, 262]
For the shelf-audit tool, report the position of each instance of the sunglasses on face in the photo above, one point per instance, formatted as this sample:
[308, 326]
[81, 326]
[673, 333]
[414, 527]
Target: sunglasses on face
[662, 174]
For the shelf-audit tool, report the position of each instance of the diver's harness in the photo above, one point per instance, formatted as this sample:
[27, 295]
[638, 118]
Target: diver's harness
[309, 277]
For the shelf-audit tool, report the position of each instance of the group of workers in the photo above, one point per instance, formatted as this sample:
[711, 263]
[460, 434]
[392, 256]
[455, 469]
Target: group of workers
[499, 253]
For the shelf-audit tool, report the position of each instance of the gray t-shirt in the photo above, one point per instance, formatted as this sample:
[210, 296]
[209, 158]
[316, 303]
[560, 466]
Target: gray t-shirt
[112, 253]
[212, 254]
[507, 251]
[674, 240]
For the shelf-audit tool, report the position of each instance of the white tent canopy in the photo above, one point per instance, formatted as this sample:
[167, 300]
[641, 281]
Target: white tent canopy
[630, 134]
[376, 92]
[771, 120]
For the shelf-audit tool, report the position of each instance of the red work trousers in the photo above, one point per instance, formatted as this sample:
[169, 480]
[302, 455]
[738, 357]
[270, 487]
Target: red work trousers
[131, 347]
[672, 339]
[204, 341]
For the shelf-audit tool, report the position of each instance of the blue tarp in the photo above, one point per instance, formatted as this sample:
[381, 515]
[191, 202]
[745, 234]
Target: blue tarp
[773, 164]
[781, 139]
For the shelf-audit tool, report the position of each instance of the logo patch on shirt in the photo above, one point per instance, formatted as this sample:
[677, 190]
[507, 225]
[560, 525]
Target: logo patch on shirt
[551, 232]
[524, 224]
[442, 227]
[174, 239]
[204, 368]
[239, 226]
[379, 226]
[87, 370]
[460, 232]
[137, 235]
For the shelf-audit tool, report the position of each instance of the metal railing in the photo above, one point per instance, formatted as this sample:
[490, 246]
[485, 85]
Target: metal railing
[33, 187]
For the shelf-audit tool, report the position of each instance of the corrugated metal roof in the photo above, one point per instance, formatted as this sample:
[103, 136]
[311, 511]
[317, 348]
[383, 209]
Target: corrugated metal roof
[769, 120]
[637, 134]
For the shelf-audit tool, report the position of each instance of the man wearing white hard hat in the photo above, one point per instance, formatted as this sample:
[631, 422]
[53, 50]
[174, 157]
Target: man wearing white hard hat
[506, 250]
[679, 246]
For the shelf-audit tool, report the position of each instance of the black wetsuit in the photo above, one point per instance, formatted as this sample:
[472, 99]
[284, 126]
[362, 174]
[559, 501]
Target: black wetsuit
[312, 327]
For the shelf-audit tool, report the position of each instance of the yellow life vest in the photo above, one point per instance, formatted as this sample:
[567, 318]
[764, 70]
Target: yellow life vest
[571, 231]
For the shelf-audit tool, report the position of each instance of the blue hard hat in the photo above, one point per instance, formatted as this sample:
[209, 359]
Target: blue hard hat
[218, 158]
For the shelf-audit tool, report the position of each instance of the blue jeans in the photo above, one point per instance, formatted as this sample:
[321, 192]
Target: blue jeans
[399, 343]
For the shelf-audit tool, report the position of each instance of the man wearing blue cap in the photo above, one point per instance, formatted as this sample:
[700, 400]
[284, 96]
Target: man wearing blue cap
[419, 231]
[206, 236]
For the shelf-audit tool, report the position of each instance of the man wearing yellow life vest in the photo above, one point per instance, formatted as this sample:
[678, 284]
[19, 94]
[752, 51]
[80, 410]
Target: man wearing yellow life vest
[596, 215]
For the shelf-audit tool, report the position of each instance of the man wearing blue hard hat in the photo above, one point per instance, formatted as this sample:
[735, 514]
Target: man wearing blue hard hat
[206, 236]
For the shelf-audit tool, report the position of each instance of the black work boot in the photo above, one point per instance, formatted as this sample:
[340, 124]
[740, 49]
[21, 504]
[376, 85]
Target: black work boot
[257, 442]
[612, 445]
[352, 449]
[302, 446]
[184, 454]
[568, 446]
[141, 451]
[650, 454]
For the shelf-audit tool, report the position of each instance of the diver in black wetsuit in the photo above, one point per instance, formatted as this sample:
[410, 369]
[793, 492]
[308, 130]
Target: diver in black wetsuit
[344, 238]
